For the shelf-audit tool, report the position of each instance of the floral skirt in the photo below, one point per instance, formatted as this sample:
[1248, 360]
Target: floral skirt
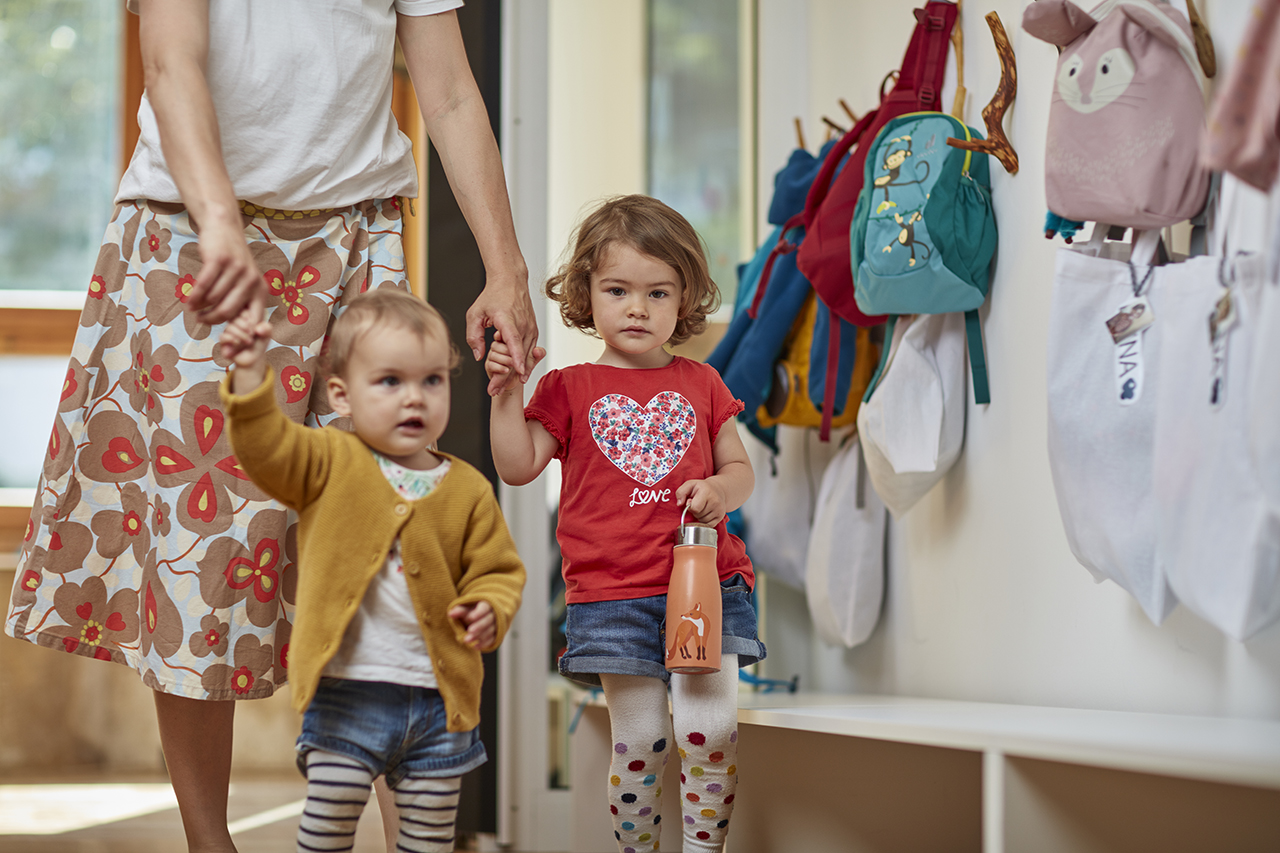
[147, 544]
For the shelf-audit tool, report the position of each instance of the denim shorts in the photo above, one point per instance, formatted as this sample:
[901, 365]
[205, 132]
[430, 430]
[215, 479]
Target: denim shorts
[627, 637]
[393, 729]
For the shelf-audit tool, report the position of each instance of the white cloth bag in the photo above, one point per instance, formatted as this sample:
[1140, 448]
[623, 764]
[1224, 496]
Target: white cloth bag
[780, 510]
[1264, 392]
[912, 426]
[1100, 428]
[1218, 535]
[844, 569]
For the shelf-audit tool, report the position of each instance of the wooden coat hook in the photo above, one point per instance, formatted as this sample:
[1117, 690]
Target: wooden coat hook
[800, 135]
[996, 143]
[835, 128]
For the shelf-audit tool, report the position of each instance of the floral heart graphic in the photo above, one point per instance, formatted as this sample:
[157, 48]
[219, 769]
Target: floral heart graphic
[645, 442]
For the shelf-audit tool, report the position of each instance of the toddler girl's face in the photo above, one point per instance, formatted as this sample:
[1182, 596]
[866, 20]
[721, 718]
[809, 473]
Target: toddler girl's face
[635, 303]
[396, 392]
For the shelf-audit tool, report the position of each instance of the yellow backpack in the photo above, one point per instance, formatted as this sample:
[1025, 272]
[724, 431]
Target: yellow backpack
[789, 401]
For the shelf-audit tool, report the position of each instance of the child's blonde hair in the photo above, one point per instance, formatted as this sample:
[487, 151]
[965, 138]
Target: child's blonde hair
[651, 228]
[384, 306]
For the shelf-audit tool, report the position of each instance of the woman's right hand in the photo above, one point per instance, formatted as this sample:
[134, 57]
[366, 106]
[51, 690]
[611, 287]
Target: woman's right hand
[228, 280]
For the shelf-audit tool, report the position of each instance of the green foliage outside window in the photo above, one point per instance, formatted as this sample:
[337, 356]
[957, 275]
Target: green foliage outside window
[59, 138]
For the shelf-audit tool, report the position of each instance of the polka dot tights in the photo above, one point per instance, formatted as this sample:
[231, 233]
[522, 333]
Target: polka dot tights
[701, 727]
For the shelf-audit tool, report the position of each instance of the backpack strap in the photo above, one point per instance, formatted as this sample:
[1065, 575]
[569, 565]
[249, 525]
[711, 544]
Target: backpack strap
[829, 381]
[822, 183]
[784, 246]
[977, 358]
[884, 356]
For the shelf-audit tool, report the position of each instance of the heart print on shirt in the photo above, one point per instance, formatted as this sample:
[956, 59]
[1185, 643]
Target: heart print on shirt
[645, 442]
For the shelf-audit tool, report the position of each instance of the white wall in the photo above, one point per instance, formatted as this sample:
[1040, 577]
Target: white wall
[984, 600]
[597, 130]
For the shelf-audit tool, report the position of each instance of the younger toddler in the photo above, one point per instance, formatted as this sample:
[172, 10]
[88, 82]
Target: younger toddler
[406, 571]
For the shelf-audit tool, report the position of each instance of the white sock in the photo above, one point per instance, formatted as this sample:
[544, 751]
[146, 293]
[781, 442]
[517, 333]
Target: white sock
[705, 709]
[428, 811]
[337, 791]
[640, 725]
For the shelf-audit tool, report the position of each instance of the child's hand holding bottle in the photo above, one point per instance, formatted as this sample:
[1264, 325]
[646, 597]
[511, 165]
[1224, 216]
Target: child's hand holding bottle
[705, 499]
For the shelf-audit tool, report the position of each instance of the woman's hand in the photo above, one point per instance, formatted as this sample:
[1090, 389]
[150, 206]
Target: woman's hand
[228, 280]
[508, 309]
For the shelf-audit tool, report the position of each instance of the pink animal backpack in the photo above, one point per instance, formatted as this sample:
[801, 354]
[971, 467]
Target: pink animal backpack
[1127, 114]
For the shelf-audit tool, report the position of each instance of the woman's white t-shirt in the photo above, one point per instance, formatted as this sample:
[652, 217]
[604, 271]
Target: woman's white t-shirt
[302, 90]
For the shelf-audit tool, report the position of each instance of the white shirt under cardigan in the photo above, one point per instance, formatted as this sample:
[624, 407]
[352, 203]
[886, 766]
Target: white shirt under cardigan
[302, 90]
[384, 642]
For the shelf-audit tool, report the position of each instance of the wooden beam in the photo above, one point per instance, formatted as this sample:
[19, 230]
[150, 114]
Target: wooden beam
[38, 331]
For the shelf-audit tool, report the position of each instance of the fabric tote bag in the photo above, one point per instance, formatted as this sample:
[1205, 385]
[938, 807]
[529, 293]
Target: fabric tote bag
[844, 567]
[1218, 535]
[1102, 392]
[780, 510]
[912, 424]
[1264, 393]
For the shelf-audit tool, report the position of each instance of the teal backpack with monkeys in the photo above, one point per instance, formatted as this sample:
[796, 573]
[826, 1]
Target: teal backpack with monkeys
[924, 230]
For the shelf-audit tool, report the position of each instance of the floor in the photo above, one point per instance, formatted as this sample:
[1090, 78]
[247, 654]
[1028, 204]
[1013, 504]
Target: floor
[139, 815]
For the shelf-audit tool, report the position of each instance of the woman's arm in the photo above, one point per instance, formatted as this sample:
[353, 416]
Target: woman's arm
[711, 499]
[174, 37]
[458, 124]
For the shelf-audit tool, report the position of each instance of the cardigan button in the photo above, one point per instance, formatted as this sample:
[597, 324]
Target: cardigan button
[401, 509]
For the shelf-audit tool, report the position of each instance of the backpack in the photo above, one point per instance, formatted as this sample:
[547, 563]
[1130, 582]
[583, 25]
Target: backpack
[799, 381]
[1127, 115]
[823, 256]
[770, 298]
[924, 231]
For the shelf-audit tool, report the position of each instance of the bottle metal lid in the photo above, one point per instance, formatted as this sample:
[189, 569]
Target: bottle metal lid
[695, 534]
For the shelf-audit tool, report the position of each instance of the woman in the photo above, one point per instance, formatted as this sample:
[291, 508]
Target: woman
[268, 176]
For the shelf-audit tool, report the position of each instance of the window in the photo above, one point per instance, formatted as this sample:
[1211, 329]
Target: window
[59, 144]
[696, 147]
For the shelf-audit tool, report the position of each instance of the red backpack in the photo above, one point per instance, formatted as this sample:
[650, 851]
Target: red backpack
[828, 210]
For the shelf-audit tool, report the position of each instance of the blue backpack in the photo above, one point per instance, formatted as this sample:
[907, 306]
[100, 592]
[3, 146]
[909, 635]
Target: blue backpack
[770, 299]
[924, 230]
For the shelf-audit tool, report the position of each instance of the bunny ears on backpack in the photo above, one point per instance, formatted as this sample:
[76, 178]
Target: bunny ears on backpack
[1060, 22]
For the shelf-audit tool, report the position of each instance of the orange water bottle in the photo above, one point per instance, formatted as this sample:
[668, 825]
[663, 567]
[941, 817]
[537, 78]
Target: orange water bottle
[693, 602]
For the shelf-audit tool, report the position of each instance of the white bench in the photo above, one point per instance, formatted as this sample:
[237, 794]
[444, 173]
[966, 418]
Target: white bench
[849, 773]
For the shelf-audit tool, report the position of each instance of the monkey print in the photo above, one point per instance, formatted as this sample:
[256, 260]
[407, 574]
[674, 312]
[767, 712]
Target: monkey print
[895, 157]
[907, 236]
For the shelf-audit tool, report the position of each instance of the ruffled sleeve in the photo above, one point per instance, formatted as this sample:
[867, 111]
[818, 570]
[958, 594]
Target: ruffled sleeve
[549, 406]
[724, 405]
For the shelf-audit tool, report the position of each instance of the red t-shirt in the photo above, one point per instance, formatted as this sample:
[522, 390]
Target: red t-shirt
[628, 439]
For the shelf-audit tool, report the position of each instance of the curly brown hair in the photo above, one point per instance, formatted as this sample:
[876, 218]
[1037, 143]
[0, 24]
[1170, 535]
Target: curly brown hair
[651, 228]
[382, 307]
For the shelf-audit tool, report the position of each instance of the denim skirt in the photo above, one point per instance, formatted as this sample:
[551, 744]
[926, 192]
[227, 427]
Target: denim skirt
[627, 637]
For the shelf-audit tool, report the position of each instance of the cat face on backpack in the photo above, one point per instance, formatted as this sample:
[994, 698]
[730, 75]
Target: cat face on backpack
[1127, 112]
[1087, 84]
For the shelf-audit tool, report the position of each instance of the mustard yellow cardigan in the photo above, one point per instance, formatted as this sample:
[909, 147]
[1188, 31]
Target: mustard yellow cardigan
[455, 544]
